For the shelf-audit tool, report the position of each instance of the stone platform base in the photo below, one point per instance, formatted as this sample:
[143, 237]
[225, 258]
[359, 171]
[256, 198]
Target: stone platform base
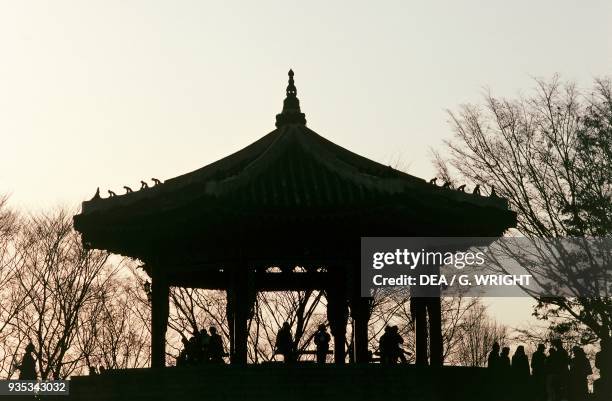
[300, 382]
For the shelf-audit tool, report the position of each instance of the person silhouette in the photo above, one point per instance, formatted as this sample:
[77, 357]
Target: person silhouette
[215, 346]
[396, 346]
[520, 364]
[504, 362]
[503, 373]
[203, 344]
[192, 351]
[321, 340]
[561, 354]
[580, 369]
[538, 370]
[520, 372]
[560, 363]
[198, 349]
[181, 359]
[284, 342]
[551, 380]
[556, 366]
[385, 346]
[493, 361]
[603, 361]
[27, 368]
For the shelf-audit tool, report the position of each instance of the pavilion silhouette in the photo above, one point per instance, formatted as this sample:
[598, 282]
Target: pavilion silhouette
[291, 198]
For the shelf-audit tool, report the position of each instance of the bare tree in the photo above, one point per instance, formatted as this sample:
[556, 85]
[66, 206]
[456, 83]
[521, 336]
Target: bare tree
[549, 155]
[303, 310]
[60, 280]
[477, 333]
[393, 308]
[191, 310]
[12, 303]
[112, 332]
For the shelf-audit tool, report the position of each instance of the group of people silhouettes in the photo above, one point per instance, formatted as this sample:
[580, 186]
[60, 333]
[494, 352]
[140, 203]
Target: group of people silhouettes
[553, 377]
[390, 346]
[201, 348]
[285, 345]
[94, 371]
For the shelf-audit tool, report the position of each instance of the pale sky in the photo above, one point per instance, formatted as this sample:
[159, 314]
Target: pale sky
[107, 93]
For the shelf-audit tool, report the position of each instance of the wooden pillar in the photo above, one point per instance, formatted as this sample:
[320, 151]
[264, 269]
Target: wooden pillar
[418, 310]
[160, 292]
[337, 315]
[229, 314]
[241, 334]
[434, 314]
[360, 311]
[240, 302]
[425, 306]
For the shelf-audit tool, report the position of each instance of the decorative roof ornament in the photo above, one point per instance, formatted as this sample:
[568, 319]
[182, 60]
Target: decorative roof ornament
[96, 195]
[291, 113]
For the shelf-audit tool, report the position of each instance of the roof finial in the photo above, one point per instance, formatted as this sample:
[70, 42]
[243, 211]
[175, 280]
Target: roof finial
[291, 113]
[291, 90]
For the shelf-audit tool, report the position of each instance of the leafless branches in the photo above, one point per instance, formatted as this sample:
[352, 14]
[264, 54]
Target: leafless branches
[304, 310]
[70, 302]
[550, 155]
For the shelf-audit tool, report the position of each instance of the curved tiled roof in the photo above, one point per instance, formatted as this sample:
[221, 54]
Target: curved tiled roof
[290, 167]
[292, 174]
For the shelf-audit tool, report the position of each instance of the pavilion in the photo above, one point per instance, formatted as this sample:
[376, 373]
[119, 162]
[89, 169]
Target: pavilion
[291, 198]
